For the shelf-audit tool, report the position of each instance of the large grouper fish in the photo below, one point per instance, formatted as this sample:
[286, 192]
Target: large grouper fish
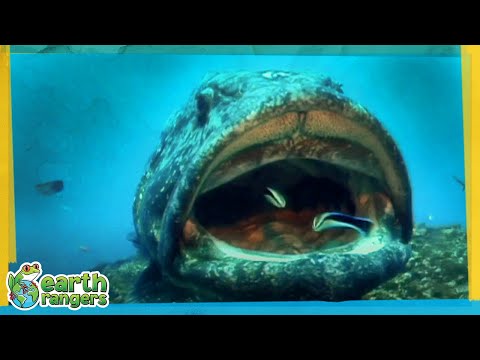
[201, 211]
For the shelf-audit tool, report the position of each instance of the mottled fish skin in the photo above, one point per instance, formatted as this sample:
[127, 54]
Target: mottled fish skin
[225, 105]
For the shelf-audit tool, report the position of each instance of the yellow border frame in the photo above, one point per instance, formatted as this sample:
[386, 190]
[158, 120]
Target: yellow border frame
[471, 118]
[7, 209]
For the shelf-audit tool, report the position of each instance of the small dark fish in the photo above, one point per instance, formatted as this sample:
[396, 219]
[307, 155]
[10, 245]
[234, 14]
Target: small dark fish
[462, 183]
[50, 188]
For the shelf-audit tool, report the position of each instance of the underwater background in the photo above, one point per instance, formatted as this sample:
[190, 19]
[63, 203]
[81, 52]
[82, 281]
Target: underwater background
[93, 122]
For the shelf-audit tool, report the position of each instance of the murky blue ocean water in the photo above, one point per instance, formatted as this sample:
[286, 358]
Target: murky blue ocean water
[94, 120]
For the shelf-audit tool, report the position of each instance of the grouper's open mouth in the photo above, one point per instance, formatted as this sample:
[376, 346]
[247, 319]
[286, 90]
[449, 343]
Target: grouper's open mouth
[273, 186]
[272, 179]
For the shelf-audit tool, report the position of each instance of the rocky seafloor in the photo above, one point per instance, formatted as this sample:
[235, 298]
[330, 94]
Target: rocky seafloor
[437, 269]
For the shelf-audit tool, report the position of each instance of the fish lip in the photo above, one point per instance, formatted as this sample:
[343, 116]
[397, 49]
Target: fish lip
[312, 276]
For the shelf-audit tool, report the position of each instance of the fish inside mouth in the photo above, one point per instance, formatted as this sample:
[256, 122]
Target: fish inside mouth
[266, 197]
[239, 213]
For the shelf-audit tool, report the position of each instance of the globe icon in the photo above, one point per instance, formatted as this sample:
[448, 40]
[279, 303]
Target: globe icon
[26, 296]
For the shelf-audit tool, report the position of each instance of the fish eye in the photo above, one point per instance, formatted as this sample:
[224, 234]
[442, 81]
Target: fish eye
[36, 266]
[26, 267]
[204, 104]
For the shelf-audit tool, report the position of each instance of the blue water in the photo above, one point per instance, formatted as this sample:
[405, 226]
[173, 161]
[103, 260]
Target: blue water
[94, 120]
[377, 307]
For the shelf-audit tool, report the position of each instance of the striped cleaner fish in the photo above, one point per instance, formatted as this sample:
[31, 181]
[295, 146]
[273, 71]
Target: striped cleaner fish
[331, 220]
[202, 218]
